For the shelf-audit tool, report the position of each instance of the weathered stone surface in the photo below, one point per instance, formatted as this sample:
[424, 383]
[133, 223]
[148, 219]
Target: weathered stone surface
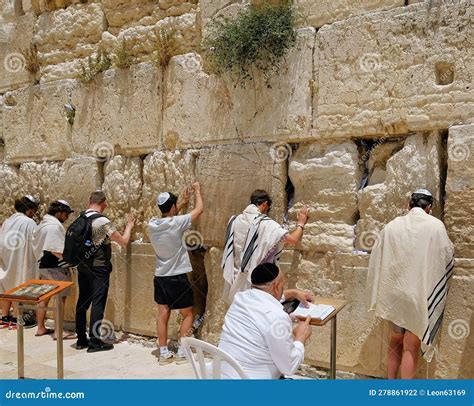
[373, 78]
[9, 186]
[43, 6]
[69, 33]
[202, 109]
[34, 124]
[318, 13]
[164, 171]
[459, 209]
[215, 306]
[15, 38]
[456, 345]
[228, 175]
[123, 188]
[120, 113]
[72, 180]
[416, 165]
[326, 178]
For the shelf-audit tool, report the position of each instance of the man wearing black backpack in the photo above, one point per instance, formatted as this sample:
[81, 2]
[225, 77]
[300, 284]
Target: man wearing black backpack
[88, 245]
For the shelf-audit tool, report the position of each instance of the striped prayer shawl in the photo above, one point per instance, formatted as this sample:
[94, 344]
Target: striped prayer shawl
[409, 270]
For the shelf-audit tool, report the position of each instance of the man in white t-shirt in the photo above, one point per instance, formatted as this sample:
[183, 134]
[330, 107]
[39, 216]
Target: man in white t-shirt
[172, 287]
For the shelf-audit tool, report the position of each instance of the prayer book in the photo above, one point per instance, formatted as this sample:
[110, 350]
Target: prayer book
[30, 292]
[315, 311]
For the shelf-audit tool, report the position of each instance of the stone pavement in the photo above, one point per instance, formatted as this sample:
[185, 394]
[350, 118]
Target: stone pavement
[125, 361]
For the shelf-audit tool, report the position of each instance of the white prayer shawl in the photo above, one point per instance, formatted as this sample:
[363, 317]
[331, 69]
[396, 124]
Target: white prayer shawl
[49, 236]
[17, 260]
[408, 275]
[251, 239]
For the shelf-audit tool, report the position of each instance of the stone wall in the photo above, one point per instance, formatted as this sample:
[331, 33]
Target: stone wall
[374, 100]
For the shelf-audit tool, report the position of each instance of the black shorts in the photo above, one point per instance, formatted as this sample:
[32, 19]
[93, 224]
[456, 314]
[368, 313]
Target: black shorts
[174, 291]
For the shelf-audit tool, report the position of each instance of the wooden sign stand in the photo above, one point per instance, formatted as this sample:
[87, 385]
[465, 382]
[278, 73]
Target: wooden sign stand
[33, 304]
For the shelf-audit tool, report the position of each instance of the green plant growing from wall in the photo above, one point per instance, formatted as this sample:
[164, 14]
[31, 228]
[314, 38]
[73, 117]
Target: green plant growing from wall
[122, 55]
[166, 46]
[95, 65]
[32, 63]
[258, 38]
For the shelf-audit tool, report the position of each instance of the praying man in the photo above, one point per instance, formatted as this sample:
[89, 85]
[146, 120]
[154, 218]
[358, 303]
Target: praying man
[407, 283]
[253, 238]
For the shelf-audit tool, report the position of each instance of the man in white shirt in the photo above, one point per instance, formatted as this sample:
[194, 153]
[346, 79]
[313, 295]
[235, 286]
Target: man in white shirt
[173, 291]
[17, 260]
[48, 245]
[258, 333]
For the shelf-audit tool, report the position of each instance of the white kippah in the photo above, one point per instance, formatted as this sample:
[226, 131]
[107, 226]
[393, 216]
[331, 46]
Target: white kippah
[31, 199]
[423, 192]
[163, 198]
[64, 202]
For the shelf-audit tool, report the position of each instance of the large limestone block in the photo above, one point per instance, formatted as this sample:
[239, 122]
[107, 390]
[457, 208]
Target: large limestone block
[123, 188]
[318, 13]
[456, 340]
[326, 178]
[459, 209]
[15, 37]
[215, 306]
[228, 175]
[141, 38]
[35, 125]
[119, 113]
[9, 185]
[69, 33]
[202, 109]
[43, 6]
[390, 72]
[164, 171]
[360, 336]
[417, 165]
[72, 180]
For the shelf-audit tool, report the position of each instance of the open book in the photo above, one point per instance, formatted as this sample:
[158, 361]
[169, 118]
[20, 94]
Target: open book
[316, 311]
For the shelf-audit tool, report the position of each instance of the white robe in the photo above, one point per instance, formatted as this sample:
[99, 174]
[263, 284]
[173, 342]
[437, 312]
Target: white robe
[409, 269]
[17, 260]
[49, 236]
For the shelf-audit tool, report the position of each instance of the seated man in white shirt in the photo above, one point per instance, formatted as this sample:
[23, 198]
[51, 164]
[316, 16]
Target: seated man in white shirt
[258, 333]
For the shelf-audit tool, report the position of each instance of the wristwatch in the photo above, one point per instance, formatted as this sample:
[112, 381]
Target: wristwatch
[301, 226]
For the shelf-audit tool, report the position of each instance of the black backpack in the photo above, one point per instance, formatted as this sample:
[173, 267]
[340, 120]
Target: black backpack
[78, 246]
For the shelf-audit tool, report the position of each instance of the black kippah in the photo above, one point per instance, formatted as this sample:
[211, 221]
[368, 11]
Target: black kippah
[264, 273]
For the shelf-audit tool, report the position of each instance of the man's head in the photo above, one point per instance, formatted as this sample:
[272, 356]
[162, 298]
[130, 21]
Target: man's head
[27, 205]
[421, 198]
[262, 200]
[269, 278]
[167, 202]
[98, 200]
[60, 209]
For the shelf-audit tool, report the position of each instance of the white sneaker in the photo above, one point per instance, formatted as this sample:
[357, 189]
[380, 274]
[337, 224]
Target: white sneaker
[181, 357]
[166, 358]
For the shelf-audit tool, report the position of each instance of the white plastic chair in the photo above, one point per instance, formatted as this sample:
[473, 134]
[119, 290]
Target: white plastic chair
[218, 356]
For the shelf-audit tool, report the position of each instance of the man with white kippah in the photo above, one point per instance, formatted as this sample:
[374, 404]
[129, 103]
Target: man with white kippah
[407, 283]
[172, 287]
[48, 245]
[17, 261]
